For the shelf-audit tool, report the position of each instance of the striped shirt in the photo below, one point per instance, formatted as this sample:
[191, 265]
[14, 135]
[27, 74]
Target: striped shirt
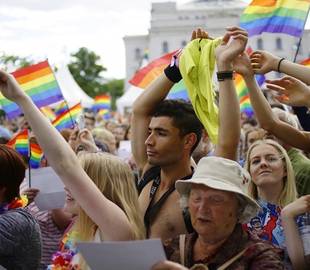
[50, 233]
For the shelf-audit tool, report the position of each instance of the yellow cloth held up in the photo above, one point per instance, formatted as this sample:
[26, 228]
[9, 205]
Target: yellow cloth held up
[197, 64]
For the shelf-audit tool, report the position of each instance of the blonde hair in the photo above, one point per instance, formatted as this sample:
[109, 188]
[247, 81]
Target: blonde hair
[102, 135]
[115, 180]
[289, 191]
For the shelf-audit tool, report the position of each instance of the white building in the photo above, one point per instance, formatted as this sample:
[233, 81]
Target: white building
[172, 24]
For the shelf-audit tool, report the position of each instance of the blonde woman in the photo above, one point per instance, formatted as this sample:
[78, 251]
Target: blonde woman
[273, 186]
[109, 215]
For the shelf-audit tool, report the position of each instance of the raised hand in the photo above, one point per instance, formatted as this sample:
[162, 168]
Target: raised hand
[233, 44]
[242, 65]
[200, 33]
[264, 62]
[31, 193]
[290, 91]
[298, 207]
[9, 87]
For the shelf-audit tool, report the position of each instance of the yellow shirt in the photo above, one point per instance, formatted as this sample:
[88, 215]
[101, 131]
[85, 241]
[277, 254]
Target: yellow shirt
[197, 64]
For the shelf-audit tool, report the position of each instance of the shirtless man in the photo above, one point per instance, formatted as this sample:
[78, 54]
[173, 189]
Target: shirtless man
[164, 134]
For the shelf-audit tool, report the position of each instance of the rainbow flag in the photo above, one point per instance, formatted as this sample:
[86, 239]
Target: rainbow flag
[178, 91]
[104, 113]
[306, 62]
[48, 112]
[275, 16]
[39, 82]
[102, 102]
[67, 119]
[61, 108]
[243, 93]
[144, 77]
[36, 155]
[20, 142]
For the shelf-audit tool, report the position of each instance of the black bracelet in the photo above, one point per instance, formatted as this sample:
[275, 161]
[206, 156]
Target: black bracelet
[279, 64]
[173, 73]
[224, 75]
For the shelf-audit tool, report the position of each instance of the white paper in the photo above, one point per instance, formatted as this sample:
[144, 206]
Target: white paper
[2, 268]
[52, 194]
[129, 255]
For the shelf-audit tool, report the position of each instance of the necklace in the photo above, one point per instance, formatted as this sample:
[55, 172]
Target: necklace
[16, 203]
[63, 259]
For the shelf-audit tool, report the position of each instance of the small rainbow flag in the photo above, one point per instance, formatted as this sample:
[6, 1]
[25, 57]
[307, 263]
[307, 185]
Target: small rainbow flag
[147, 74]
[36, 155]
[39, 82]
[20, 143]
[243, 93]
[275, 16]
[102, 102]
[67, 119]
[61, 108]
[306, 62]
[48, 112]
[104, 113]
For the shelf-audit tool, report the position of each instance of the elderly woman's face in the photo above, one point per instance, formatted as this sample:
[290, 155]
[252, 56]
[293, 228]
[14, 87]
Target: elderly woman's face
[213, 212]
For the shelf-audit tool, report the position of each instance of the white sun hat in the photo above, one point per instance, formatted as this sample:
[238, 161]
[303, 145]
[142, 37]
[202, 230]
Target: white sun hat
[222, 174]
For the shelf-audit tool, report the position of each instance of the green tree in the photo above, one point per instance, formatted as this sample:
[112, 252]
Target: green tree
[86, 71]
[14, 62]
[115, 88]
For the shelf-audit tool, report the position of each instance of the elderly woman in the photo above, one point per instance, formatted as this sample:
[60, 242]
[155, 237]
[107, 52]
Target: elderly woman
[218, 205]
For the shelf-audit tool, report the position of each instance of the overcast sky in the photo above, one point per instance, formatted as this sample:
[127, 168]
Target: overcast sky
[56, 28]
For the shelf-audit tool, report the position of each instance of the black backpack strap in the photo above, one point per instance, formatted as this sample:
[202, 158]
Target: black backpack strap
[148, 176]
[187, 220]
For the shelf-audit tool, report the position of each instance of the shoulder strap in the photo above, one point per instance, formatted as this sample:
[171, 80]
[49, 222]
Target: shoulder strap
[148, 176]
[232, 260]
[182, 248]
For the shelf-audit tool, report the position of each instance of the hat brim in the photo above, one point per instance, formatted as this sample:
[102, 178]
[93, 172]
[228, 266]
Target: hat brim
[184, 187]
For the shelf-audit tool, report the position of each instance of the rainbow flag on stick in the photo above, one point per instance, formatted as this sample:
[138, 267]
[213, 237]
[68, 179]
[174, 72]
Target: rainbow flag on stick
[20, 143]
[36, 155]
[275, 16]
[102, 102]
[178, 91]
[67, 119]
[144, 77]
[61, 108]
[39, 82]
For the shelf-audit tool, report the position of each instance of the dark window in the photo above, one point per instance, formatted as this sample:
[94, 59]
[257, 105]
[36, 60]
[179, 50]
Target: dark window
[165, 48]
[279, 44]
[137, 54]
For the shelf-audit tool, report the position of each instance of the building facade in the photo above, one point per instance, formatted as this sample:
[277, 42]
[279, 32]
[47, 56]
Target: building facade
[172, 24]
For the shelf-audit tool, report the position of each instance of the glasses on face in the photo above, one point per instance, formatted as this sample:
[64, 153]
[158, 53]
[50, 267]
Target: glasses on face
[270, 159]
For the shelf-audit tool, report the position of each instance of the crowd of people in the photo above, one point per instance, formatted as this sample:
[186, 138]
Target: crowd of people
[239, 201]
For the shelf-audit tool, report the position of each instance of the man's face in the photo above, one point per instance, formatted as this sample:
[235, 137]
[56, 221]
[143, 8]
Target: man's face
[164, 144]
[213, 212]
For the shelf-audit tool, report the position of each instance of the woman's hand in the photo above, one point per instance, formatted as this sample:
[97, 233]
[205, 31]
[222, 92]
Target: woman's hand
[264, 62]
[10, 88]
[290, 91]
[233, 44]
[31, 193]
[296, 208]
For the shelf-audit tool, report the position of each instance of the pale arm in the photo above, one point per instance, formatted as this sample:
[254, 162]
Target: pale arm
[294, 244]
[264, 114]
[111, 220]
[264, 62]
[229, 112]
